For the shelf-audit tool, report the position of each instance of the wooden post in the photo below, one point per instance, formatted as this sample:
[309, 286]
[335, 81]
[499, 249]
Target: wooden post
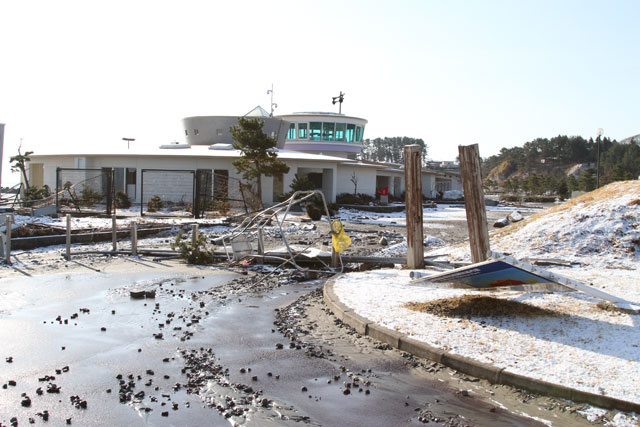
[194, 235]
[7, 247]
[413, 204]
[134, 238]
[68, 245]
[474, 201]
[114, 233]
[260, 241]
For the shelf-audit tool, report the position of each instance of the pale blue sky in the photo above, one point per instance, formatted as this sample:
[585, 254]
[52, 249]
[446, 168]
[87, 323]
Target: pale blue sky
[496, 73]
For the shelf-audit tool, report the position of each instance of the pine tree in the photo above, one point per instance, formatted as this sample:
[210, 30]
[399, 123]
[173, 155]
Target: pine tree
[258, 152]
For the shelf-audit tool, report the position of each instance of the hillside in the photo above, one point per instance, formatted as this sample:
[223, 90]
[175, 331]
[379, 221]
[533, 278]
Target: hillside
[561, 164]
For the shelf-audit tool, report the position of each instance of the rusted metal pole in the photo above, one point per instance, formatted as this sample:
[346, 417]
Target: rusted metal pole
[474, 201]
[413, 203]
[335, 258]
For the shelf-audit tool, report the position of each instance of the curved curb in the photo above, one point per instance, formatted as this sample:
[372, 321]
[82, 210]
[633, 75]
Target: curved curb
[465, 364]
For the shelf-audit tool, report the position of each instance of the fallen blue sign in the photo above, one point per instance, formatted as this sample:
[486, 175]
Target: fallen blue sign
[489, 274]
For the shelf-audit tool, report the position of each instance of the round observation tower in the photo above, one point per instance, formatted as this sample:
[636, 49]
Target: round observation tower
[331, 134]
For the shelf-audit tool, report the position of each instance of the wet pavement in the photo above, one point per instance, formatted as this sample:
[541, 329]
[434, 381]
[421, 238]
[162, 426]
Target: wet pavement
[214, 348]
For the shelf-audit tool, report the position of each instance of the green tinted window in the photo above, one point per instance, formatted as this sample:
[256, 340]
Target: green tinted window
[340, 128]
[292, 131]
[350, 131]
[315, 131]
[358, 131]
[327, 131]
[362, 135]
[302, 131]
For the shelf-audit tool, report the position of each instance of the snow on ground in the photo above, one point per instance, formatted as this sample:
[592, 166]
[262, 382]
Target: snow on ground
[452, 213]
[583, 347]
[606, 343]
[600, 228]
[453, 195]
[100, 223]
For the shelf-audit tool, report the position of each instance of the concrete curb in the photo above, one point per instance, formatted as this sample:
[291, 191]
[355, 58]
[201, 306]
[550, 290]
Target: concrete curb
[467, 365]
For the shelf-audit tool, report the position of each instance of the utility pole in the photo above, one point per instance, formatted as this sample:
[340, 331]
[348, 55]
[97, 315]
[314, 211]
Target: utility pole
[600, 131]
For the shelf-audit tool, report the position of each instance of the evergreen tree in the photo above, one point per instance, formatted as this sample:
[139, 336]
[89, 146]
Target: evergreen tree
[18, 164]
[562, 189]
[390, 149]
[587, 181]
[572, 183]
[258, 152]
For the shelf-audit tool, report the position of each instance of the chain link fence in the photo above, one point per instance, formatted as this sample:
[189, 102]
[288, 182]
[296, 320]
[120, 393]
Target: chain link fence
[86, 191]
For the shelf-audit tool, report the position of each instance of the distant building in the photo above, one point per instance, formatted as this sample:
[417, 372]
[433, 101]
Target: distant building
[321, 146]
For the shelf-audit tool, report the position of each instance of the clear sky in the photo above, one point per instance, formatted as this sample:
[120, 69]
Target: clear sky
[496, 73]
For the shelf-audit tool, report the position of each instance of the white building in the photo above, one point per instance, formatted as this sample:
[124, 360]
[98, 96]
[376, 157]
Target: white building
[321, 146]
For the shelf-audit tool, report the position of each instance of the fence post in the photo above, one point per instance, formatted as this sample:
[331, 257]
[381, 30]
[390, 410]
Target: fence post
[413, 205]
[194, 235]
[114, 233]
[7, 247]
[134, 238]
[261, 245]
[57, 189]
[474, 201]
[68, 243]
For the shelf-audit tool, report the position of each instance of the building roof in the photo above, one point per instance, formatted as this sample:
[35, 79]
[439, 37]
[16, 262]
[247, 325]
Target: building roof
[182, 151]
[258, 112]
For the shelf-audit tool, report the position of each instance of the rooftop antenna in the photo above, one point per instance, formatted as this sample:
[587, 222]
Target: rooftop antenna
[129, 141]
[339, 99]
[273, 104]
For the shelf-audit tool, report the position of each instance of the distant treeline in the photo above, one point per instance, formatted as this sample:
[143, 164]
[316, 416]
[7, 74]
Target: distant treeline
[543, 165]
[390, 149]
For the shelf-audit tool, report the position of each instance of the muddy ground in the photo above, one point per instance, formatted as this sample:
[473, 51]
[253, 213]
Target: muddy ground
[220, 345]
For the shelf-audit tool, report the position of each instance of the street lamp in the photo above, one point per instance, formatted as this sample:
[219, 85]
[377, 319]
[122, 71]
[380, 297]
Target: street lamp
[339, 99]
[273, 104]
[129, 140]
[600, 131]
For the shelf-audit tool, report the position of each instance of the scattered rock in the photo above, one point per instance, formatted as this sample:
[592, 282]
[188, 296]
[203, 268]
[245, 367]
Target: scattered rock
[503, 222]
[515, 216]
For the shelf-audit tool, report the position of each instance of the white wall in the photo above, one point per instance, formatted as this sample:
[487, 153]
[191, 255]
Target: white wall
[428, 185]
[366, 180]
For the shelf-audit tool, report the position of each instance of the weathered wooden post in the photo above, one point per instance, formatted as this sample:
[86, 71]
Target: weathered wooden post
[194, 235]
[413, 204]
[134, 238]
[7, 244]
[114, 233]
[68, 245]
[474, 201]
[261, 244]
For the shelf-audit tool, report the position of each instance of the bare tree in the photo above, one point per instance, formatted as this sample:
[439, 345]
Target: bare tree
[354, 180]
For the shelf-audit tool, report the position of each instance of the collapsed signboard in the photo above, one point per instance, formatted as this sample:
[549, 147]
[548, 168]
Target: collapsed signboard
[501, 271]
[489, 274]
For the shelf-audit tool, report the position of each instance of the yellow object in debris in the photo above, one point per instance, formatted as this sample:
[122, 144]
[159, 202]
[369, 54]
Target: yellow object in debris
[339, 238]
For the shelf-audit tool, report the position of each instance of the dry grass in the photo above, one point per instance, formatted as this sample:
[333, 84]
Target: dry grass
[479, 306]
[610, 191]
